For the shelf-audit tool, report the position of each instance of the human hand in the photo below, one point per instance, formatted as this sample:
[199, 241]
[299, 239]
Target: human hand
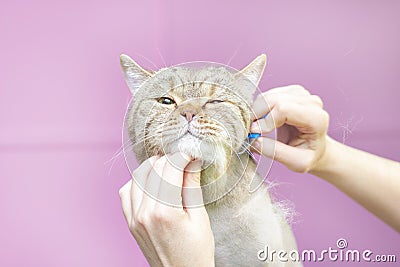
[169, 235]
[301, 124]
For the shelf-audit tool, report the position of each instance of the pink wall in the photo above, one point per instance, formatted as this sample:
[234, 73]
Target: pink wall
[63, 98]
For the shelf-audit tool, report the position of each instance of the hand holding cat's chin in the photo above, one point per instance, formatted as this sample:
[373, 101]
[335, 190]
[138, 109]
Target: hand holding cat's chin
[156, 225]
[175, 149]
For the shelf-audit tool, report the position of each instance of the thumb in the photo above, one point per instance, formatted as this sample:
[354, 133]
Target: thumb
[192, 197]
[296, 159]
[191, 177]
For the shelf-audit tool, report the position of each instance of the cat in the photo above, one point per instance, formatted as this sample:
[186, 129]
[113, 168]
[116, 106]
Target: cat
[205, 112]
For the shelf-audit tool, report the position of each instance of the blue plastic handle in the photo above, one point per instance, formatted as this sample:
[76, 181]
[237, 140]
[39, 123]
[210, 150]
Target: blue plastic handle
[254, 135]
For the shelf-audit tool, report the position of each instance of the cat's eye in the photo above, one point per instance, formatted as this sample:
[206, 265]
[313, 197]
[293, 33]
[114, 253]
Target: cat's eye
[166, 101]
[215, 101]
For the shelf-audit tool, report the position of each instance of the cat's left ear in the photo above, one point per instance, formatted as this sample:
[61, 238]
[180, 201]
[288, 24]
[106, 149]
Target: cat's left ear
[134, 74]
[253, 72]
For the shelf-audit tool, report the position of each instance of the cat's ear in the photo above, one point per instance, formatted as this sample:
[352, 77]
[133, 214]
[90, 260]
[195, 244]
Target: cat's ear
[134, 74]
[255, 69]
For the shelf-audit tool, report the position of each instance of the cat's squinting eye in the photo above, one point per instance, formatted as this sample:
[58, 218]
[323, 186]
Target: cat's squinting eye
[214, 101]
[166, 101]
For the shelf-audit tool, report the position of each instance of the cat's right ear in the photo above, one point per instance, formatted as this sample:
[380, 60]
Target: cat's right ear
[134, 74]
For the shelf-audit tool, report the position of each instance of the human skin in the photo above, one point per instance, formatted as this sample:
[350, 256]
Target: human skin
[304, 146]
[168, 235]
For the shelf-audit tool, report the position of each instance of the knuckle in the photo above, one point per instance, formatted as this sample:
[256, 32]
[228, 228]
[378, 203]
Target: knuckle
[321, 123]
[160, 216]
[325, 118]
[132, 225]
[134, 174]
[155, 217]
[304, 166]
[267, 99]
[264, 96]
[281, 107]
[141, 219]
[317, 100]
[300, 87]
[121, 192]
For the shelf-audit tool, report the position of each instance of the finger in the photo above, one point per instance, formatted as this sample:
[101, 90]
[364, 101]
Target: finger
[170, 191]
[139, 177]
[295, 89]
[192, 197]
[174, 168]
[261, 106]
[153, 182]
[125, 196]
[296, 159]
[307, 119]
[267, 101]
[192, 174]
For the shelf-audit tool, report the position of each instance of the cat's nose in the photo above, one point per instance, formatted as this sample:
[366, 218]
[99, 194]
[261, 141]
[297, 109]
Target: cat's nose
[188, 114]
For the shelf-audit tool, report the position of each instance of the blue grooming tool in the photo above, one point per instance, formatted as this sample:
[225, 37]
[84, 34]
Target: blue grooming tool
[256, 135]
[253, 135]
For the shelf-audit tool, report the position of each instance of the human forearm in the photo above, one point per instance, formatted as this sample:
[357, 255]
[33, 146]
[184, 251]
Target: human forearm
[372, 181]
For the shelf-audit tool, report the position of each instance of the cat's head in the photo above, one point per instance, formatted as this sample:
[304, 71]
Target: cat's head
[203, 111]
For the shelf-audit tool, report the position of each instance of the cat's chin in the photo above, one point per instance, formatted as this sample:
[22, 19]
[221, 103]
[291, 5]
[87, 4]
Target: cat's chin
[194, 147]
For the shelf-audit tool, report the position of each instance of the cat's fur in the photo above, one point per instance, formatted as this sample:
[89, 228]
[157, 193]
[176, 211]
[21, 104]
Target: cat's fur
[220, 101]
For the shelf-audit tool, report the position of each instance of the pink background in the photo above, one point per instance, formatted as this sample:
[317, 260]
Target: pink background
[63, 98]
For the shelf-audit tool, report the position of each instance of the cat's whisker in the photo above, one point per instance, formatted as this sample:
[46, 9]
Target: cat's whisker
[240, 160]
[144, 139]
[113, 159]
[246, 149]
[161, 56]
[125, 147]
[117, 154]
[245, 142]
[234, 54]
[148, 60]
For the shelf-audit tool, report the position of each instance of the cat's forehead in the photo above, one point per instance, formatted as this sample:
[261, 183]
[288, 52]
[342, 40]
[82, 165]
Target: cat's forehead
[187, 83]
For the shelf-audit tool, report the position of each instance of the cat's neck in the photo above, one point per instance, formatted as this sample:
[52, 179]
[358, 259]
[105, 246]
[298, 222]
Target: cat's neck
[230, 183]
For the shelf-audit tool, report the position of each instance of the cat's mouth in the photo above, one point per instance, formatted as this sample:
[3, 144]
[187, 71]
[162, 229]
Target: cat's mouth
[192, 141]
[194, 134]
[189, 130]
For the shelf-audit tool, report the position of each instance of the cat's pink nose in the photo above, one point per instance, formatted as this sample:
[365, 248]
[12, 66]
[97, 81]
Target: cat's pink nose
[188, 114]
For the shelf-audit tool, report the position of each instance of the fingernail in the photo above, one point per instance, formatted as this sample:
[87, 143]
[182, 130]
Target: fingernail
[194, 166]
[185, 156]
[255, 128]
